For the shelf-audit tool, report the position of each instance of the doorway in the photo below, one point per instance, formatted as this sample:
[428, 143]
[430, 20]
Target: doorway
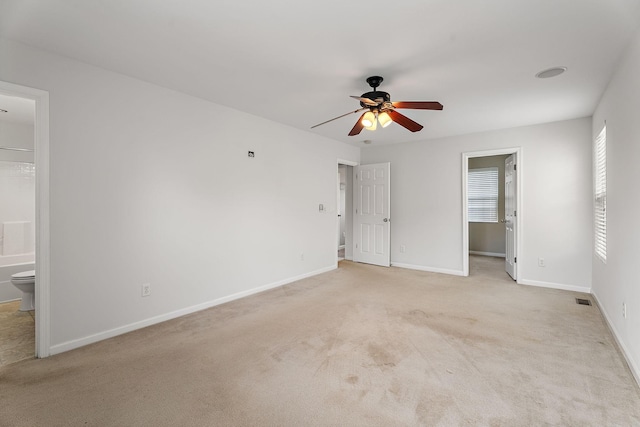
[342, 192]
[40, 99]
[490, 238]
[486, 210]
[344, 221]
[17, 226]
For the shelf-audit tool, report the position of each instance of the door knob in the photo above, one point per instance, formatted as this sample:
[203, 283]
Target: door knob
[386, 219]
[503, 220]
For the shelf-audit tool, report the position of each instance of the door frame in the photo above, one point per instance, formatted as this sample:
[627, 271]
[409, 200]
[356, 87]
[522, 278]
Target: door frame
[465, 202]
[348, 212]
[43, 259]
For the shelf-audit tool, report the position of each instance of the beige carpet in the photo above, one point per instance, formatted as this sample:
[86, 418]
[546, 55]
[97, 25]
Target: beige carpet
[359, 346]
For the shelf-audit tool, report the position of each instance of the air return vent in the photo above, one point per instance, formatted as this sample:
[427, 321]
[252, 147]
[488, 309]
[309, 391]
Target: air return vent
[583, 301]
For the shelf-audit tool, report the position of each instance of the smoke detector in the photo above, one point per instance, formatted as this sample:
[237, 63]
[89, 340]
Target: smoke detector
[551, 72]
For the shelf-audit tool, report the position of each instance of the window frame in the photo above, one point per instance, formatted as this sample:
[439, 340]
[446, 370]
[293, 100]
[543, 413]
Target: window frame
[491, 214]
[600, 195]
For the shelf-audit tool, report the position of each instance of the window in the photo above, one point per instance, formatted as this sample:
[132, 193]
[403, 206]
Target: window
[600, 194]
[483, 195]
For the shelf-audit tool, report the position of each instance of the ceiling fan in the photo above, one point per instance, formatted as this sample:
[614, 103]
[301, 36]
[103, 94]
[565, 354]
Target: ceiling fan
[383, 111]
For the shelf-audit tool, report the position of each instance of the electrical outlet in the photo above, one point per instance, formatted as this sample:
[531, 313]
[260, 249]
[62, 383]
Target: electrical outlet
[146, 289]
[302, 256]
[540, 262]
[624, 310]
[403, 249]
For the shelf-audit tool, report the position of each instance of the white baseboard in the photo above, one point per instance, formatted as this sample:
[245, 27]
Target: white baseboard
[80, 342]
[552, 285]
[633, 367]
[495, 254]
[429, 269]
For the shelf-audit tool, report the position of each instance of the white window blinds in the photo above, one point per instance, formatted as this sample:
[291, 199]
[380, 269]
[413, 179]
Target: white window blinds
[482, 193]
[600, 194]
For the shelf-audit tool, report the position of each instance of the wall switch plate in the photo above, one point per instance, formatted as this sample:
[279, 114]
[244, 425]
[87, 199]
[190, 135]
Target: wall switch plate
[146, 289]
[403, 249]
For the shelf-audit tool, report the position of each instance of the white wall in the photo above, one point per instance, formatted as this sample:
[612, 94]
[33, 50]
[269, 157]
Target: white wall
[151, 185]
[426, 200]
[17, 205]
[618, 280]
[17, 181]
[16, 135]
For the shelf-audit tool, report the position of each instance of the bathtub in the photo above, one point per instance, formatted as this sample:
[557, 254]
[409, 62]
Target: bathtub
[12, 264]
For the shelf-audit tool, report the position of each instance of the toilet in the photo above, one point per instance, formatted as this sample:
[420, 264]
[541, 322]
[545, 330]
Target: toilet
[26, 281]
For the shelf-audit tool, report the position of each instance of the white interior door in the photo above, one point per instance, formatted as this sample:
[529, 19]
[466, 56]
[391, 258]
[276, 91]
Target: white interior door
[372, 221]
[510, 213]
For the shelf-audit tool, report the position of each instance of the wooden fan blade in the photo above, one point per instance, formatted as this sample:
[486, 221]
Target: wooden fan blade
[365, 101]
[339, 117]
[404, 121]
[418, 105]
[358, 127]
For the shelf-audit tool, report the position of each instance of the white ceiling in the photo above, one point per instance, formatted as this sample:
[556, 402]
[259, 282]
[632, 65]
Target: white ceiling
[297, 62]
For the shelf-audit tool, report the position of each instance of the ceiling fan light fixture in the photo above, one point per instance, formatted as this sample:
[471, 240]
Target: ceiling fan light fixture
[384, 119]
[373, 126]
[368, 120]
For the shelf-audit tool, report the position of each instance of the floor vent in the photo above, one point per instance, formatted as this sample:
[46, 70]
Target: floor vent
[582, 301]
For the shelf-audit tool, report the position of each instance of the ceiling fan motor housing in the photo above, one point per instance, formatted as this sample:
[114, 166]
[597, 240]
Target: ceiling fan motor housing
[377, 96]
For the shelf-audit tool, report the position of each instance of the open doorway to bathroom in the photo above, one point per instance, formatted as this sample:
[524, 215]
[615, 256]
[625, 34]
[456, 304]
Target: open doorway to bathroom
[344, 225]
[17, 226]
[486, 206]
[42, 233]
[342, 190]
[492, 194]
